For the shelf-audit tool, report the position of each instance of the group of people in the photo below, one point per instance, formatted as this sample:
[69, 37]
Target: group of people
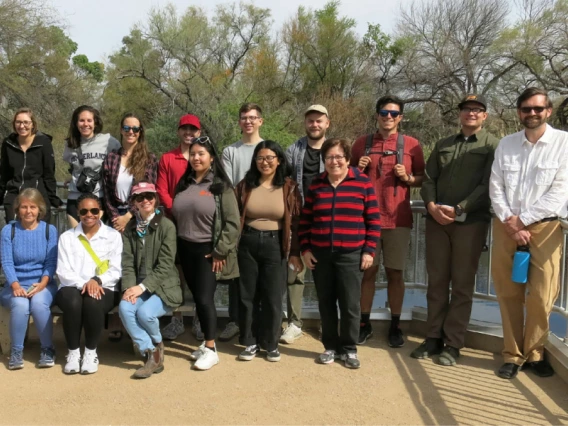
[257, 217]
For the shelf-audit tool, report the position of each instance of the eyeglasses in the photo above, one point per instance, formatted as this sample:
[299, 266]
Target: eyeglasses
[268, 158]
[94, 211]
[386, 112]
[251, 118]
[536, 109]
[473, 110]
[144, 196]
[22, 123]
[127, 129]
[202, 140]
[337, 158]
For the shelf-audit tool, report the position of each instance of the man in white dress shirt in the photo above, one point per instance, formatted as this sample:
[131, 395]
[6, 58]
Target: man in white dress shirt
[529, 192]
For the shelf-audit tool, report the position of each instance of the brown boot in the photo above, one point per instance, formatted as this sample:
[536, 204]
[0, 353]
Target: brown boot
[160, 347]
[153, 365]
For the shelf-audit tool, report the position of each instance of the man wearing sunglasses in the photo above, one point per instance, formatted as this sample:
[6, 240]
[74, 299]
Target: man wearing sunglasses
[394, 163]
[171, 168]
[456, 194]
[529, 192]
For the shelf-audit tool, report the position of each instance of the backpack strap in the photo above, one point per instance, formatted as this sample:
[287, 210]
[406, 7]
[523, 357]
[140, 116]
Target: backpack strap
[368, 143]
[400, 149]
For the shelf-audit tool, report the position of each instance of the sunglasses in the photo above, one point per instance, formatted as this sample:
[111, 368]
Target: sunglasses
[528, 110]
[386, 112]
[202, 140]
[144, 196]
[94, 211]
[127, 129]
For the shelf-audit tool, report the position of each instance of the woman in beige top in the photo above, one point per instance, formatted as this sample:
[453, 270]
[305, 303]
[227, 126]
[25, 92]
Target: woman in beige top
[270, 204]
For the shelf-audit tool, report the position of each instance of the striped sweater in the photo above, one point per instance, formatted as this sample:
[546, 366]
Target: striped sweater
[345, 218]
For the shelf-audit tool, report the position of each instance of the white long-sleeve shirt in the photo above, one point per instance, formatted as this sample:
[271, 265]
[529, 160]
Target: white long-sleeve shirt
[75, 266]
[530, 180]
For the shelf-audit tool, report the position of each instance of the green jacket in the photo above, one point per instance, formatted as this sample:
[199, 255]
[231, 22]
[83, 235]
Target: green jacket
[162, 276]
[458, 172]
[226, 230]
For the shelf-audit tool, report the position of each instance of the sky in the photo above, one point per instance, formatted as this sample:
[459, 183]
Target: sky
[98, 26]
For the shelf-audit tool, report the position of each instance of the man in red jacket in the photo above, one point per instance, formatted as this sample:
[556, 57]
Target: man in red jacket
[170, 169]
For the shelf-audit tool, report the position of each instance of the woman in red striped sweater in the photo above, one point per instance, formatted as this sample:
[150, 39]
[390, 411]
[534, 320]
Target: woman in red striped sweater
[339, 230]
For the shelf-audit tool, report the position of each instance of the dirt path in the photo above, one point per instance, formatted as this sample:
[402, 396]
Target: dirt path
[390, 388]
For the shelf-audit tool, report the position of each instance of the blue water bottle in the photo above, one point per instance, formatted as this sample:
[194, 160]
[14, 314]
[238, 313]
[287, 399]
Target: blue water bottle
[521, 263]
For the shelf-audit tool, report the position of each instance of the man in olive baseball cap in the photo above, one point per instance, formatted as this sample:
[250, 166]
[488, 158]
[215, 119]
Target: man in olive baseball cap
[479, 99]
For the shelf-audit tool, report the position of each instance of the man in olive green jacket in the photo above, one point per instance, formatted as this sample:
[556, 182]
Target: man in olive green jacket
[456, 194]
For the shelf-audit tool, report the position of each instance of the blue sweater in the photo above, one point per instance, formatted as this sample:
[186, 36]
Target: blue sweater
[29, 256]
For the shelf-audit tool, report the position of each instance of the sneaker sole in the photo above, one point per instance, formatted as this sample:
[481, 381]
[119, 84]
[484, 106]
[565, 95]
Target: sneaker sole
[71, 372]
[247, 358]
[396, 346]
[86, 372]
[195, 367]
[16, 367]
[273, 359]
[325, 362]
[362, 342]
[352, 367]
[46, 365]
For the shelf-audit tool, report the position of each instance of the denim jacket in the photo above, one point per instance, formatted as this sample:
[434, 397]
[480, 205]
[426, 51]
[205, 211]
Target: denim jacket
[295, 155]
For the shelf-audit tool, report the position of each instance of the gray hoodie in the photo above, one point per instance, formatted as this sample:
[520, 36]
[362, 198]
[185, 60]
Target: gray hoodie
[93, 152]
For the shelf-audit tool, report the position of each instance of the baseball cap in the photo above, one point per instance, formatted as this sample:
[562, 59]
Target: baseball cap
[473, 98]
[190, 119]
[142, 187]
[317, 108]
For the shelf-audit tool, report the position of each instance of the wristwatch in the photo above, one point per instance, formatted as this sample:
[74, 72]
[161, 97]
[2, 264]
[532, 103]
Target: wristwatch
[98, 280]
[459, 210]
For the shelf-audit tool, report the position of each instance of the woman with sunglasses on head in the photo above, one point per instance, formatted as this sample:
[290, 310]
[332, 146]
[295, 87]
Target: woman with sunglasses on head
[339, 231]
[89, 268]
[150, 280]
[26, 161]
[270, 204]
[29, 258]
[131, 163]
[85, 151]
[207, 218]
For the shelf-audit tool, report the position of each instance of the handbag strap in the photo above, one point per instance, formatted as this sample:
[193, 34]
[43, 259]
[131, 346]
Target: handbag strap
[88, 247]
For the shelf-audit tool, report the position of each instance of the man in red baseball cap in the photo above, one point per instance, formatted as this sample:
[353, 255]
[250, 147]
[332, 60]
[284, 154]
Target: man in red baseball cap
[170, 169]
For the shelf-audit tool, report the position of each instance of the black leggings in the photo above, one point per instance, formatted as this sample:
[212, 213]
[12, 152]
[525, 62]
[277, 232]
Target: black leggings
[201, 281]
[81, 310]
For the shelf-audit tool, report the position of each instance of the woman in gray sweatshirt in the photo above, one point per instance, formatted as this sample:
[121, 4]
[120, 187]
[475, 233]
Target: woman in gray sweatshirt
[85, 152]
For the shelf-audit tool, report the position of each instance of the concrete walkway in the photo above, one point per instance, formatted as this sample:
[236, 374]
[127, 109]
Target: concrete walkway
[390, 388]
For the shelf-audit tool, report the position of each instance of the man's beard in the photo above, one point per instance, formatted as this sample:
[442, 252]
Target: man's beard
[533, 122]
[320, 134]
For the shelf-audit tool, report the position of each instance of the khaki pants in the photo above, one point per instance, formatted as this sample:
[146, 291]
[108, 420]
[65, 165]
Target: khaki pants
[452, 255]
[295, 295]
[526, 343]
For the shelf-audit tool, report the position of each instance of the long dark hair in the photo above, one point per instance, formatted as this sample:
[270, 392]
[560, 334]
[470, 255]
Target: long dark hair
[137, 161]
[252, 178]
[217, 169]
[74, 136]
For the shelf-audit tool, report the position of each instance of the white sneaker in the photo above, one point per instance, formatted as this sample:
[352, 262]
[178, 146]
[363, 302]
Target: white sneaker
[196, 328]
[173, 329]
[73, 365]
[207, 360]
[291, 333]
[230, 331]
[195, 355]
[90, 362]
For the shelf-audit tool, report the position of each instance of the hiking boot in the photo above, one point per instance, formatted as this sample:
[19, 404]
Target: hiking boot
[46, 358]
[195, 355]
[16, 359]
[351, 360]
[395, 338]
[249, 353]
[429, 347]
[153, 365]
[449, 356]
[365, 333]
[173, 329]
[90, 362]
[207, 359]
[160, 347]
[508, 371]
[73, 365]
[273, 356]
[196, 329]
[291, 333]
[327, 357]
[230, 331]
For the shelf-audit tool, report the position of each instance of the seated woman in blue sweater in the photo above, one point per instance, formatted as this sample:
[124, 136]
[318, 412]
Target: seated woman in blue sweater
[29, 257]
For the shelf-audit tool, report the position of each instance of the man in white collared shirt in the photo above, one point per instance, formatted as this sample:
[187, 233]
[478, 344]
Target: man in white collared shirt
[529, 192]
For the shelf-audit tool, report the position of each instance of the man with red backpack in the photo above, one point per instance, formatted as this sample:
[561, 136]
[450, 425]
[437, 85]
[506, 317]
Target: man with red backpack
[394, 163]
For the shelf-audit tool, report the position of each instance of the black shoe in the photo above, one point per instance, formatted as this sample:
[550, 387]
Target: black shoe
[449, 356]
[429, 347]
[273, 356]
[395, 338]
[365, 332]
[540, 368]
[508, 370]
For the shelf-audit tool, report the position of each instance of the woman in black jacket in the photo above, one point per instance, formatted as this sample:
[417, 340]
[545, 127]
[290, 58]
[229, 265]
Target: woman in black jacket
[26, 161]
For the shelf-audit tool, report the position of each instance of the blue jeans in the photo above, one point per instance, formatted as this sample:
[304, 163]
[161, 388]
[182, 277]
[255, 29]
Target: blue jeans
[39, 306]
[141, 319]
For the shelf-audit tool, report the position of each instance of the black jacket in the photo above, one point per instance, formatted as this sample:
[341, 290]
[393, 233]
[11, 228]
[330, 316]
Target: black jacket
[34, 168]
